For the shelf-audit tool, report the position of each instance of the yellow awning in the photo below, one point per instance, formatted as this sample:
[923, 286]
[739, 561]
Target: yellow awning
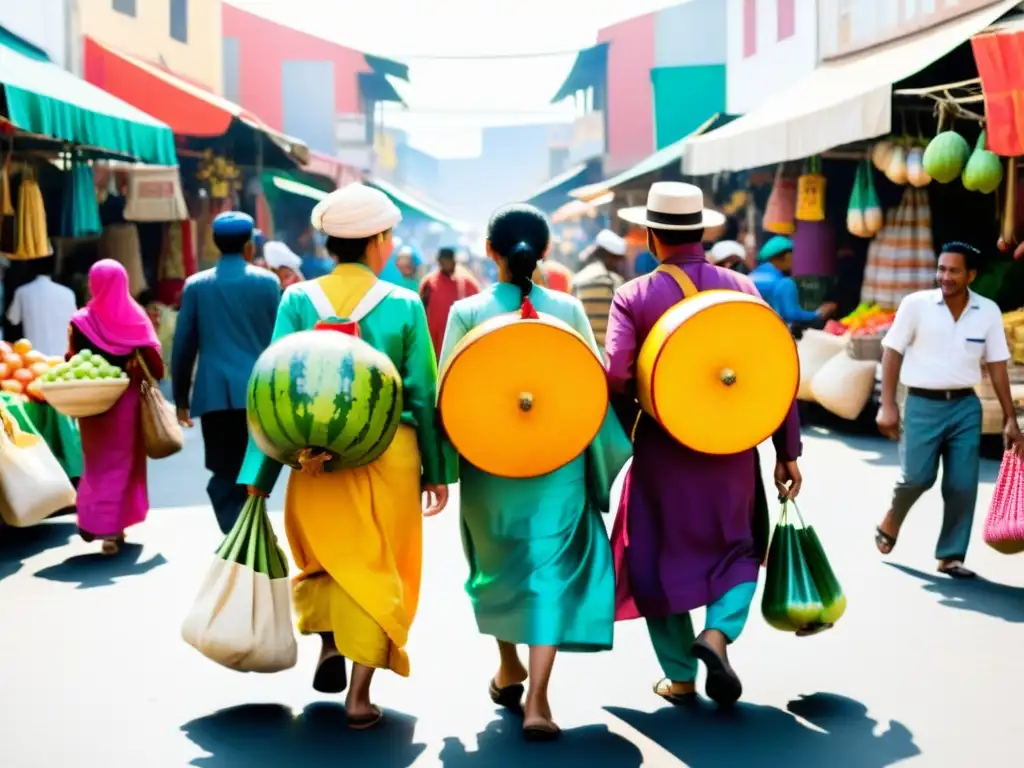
[841, 102]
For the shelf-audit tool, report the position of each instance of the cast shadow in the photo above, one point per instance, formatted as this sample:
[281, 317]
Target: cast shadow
[19, 544]
[705, 737]
[501, 745]
[1000, 601]
[271, 736]
[97, 570]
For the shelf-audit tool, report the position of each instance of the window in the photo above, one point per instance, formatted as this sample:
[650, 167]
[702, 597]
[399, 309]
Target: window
[786, 18]
[749, 28]
[127, 7]
[179, 20]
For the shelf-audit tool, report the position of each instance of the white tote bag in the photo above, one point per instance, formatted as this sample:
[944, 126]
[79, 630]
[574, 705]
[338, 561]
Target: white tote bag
[242, 620]
[33, 485]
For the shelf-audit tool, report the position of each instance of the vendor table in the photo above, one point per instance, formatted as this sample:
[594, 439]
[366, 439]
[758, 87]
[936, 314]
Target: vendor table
[60, 432]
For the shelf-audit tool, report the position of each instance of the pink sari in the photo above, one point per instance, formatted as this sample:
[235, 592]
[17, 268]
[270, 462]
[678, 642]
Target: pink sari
[112, 493]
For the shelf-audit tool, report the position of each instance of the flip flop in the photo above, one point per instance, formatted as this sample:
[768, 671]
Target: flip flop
[722, 686]
[957, 571]
[331, 675]
[364, 722]
[510, 697]
[675, 699]
[537, 733]
[883, 539]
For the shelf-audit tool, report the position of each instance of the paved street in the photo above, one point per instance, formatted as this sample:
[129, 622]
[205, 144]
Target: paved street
[921, 670]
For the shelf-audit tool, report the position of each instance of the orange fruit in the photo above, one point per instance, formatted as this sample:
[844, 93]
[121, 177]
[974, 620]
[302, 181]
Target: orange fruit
[12, 386]
[38, 369]
[22, 346]
[24, 375]
[35, 392]
[54, 361]
[33, 356]
[14, 361]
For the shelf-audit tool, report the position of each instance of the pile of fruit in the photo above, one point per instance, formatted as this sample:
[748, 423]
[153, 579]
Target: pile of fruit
[1013, 327]
[84, 366]
[22, 368]
[865, 320]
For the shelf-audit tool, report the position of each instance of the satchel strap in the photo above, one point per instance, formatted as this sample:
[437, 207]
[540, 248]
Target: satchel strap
[379, 291]
[146, 373]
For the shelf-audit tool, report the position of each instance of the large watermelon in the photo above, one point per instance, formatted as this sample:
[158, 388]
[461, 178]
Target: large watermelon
[324, 390]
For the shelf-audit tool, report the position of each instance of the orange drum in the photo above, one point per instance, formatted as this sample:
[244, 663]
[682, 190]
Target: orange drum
[522, 397]
[719, 370]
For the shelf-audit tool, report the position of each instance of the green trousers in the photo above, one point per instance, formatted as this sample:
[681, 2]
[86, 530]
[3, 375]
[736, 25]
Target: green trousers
[672, 636]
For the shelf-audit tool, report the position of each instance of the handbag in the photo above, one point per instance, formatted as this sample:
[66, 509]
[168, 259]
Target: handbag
[161, 432]
[1004, 526]
[801, 592]
[242, 617]
[33, 485]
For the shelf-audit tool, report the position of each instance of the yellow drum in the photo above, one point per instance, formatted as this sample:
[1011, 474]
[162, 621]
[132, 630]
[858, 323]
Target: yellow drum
[719, 370]
[522, 397]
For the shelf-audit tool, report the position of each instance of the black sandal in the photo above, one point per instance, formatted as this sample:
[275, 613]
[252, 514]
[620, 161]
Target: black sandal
[883, 539]
[722, 686]
[364, 722]
[510, 697]
[675, 699]
[956, 570]
[331, 676]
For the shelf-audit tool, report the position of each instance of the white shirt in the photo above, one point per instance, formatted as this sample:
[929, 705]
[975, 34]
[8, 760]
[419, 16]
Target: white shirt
[940, 353]
[43, 309]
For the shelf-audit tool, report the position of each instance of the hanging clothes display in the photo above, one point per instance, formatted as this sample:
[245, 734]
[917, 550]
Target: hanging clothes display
[901, 258]
[32, 235]
[121, 243]
[80, 211]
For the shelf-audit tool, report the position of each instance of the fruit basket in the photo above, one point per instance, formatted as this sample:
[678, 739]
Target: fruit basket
[86, 385]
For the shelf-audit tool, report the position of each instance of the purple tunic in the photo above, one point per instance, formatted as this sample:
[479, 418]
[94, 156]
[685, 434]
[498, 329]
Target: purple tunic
[683, 534]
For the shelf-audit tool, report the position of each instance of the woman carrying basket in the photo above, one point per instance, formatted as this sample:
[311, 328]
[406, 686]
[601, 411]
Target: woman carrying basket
[540, 563]
[112, 493]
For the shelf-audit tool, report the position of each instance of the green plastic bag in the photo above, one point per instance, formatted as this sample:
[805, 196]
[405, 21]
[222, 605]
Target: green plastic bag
[801, 594]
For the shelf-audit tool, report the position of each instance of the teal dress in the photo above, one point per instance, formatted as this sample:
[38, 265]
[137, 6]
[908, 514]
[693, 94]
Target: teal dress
[540, 565]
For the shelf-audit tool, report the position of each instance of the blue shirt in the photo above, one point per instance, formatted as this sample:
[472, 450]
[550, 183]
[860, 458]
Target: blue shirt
[781, 293]
[316, 266]
[645, 263]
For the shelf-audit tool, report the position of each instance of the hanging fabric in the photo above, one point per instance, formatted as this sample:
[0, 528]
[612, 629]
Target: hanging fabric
[901, 258]
[80, 212]
[780, 211]
[810, 201]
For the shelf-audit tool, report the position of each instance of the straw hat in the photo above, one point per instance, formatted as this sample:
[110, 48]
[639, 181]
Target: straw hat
[673, 205]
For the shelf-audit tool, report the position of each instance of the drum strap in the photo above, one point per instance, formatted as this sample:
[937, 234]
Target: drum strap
[689, 289]
[377, 293]
[682, 279]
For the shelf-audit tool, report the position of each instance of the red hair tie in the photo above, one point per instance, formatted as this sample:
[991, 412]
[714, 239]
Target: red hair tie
[527, 312]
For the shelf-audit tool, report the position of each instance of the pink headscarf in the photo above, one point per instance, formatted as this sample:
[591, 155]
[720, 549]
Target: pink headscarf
[112, 319]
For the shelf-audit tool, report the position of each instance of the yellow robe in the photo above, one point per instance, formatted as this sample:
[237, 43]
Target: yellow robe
[356, 534]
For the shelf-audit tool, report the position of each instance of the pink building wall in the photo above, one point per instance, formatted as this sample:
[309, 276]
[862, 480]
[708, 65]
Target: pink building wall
[631, 57]
[264, 46]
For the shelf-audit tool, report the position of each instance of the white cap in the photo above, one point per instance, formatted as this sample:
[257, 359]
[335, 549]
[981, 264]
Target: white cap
[723, 249]
[278, 256]
[355, 211]
[610, 242]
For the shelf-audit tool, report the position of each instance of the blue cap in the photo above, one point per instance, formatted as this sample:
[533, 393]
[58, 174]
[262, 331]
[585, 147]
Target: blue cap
[258, 237]
[777, 246]
[233, 224]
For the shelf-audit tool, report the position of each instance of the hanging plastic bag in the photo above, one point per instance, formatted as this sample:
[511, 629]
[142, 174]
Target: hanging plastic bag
[780, 211]
[810, 200]
[1004, 526]
[242, 617]
[855, 210]
[33, 485]
[873, 216]
[801, 593]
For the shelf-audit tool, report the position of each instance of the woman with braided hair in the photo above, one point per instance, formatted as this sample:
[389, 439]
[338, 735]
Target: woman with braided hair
[540, 563]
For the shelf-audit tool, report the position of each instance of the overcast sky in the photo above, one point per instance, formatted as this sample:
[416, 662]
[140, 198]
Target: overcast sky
[449, 100]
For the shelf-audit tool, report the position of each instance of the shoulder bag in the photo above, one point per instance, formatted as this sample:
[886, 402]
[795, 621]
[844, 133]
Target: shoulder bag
[161, 431]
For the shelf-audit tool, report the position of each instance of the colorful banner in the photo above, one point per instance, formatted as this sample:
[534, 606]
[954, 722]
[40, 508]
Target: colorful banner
[1000, 59]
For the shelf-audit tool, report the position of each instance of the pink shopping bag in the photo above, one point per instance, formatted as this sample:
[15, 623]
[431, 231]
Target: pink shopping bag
[1004, 527]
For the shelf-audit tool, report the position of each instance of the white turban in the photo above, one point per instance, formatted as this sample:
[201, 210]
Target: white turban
[354, 212]
[278, 256]
[723, 249]
[610, 242]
